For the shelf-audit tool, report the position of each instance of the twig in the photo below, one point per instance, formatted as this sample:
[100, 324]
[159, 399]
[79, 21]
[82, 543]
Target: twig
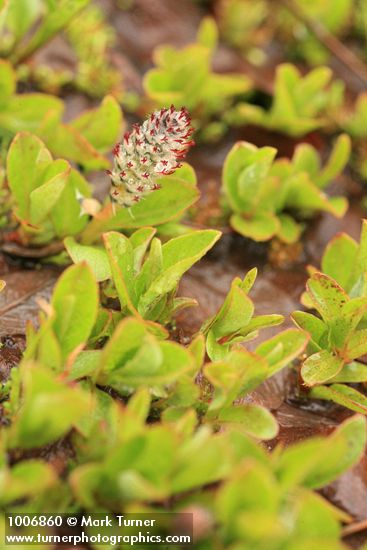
[337, 48]
[354, 528]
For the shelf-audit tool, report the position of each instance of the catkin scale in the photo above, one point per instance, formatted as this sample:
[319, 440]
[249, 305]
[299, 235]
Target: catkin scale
[152, 149]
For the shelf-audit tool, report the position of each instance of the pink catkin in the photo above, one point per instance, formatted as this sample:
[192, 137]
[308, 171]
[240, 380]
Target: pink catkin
[152, 149]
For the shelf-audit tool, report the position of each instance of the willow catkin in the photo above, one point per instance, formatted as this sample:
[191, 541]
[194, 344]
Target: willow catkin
[152, 149]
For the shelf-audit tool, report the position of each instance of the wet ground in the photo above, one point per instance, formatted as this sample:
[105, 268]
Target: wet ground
[282, 271]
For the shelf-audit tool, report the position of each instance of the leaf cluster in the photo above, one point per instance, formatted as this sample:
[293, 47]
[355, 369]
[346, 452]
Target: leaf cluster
[185, 77]
[266, 195]
[339, 337]
[300, 104]
[84, 140]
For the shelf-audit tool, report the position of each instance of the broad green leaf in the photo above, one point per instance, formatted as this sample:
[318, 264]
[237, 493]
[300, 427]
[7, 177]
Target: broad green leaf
[342, 328]
[306, 159]
[44, 197]
[283, 348]
[129, 335]
[75, 302]
[238, 375]
[326, 295]
[178, 255]
[252, 419]
[67, 215]
[304, 463]
[208, 33]
[21, 15]
[321, 367]
[155, 365]
[101, 126]
[121, 258]
[254, 488]
[289, 231]
[356, 345]
[249, 280]
[311, 324]
[198, 463]
[174, 197]
[316, 522]
[39, 421]
[65, 141]
[338, 159]
[342, 395]
[235, 313]
[303, 195]
[343, 448]
[233, 321]
[27, 160]
[338, 259]
[94, 256]
[260, 227]
[245, 159]
[140, 241]
[26, 479]
[28, 112]
[353, 372]
[85, 364]
[53, 21]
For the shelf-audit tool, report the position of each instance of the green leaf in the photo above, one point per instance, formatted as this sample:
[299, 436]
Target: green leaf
[249, 280]
[303, 195]
[250, 165]
[75, 302]
[353, 372]
[321, 367]
[338, 159]
[338, 259]
[26, 479]
[158, 364]
[29, 112]
[289, 231]
[252, 419]
[233, 378]
[230, 322]
[124, 343]
[85, 364]
[344, 448]
[261, 227]
[121, 258]
[342, 329]
[208, 33]
[39, 421]
[140, 241]
[283, 348]
[306, 159]
[304, 463]
[326, 296]
[67, 216]
[178, 255]
[174, 197]
[27, 161]
[21, 15]
[342, 395]
[356, 345]
[94, 256]
[311, 324]
[65, 141]
[44, 197]
[102, 126]
[53, 21]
